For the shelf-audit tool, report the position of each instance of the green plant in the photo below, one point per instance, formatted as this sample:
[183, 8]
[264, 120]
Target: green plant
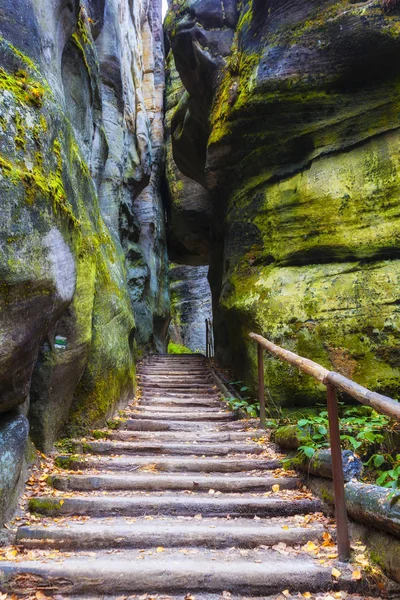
[247, 404]
[253, 410]
[389, 475]
[361, 430]
[178, 349]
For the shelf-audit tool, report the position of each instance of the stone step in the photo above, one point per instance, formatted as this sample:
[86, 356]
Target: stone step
[172, 369]
[160, 401]
[176, 573]
[198, 436]
[161, 482]
[179, 395]
[183, 464]
[189, 377]
[212, 533]
[172, 505]
[187, 387]
[168, 425]
[180, 409]
[206, 449]
[181, 416]
[180, 392]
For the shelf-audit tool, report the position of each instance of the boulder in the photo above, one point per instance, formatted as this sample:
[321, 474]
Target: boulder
[14, 431]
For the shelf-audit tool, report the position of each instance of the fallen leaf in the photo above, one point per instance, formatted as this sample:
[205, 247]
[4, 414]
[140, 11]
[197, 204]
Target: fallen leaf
[306, 595]
[356, 575]
[275, 487]
[160, 549]
[336, 573]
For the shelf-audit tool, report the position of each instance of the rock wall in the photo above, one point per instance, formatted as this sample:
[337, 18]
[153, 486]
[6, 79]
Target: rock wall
[189, 205]
[291, 120]
[83, 267]
[190, 305]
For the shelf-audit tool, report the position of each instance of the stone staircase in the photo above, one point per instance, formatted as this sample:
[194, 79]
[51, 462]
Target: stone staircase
[177, 498]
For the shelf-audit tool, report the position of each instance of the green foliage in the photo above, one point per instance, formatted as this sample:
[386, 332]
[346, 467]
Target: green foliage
[247, 405]
[178, 349]
[361, 430]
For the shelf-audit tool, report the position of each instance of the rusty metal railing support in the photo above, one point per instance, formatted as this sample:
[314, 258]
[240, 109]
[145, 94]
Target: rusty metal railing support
[209, 339]
[261, 389]
[343, 539]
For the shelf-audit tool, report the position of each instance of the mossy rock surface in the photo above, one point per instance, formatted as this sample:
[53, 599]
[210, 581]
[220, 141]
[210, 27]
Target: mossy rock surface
[301, 161]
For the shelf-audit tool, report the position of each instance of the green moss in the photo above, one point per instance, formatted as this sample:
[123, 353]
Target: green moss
[39, 183]
[65, 445]
[178, 349]
[44, 506]
[66, 462]
[115, 423]
[24, 88]
[98, 434]
[82, 37]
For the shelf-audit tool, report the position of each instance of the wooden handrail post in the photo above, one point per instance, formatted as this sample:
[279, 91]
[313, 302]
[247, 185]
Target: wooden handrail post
[261, 391]
[343, 540]
[207, 342]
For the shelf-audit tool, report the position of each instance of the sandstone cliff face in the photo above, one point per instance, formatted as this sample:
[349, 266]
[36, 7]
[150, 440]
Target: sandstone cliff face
[190, 306]
[84, 281]
[189, 203]
[298, 148]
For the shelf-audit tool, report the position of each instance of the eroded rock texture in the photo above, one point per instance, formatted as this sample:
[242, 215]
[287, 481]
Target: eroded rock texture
[291, 120]
[190, 305]
[83, 247]
[189, 203]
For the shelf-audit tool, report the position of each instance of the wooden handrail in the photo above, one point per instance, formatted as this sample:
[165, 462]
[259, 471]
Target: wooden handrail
[380, 403]
[333, 381]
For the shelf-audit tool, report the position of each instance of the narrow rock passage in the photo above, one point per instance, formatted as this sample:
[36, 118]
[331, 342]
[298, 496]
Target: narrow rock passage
[177, 497]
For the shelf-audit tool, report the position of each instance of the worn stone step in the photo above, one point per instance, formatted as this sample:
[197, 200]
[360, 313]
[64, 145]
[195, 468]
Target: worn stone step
[184, 464]
[182, 416]
[159, 401]
[121, 573]
[98, 533]
[207, 449]
[172, 505]
[140, 424]
[198, 436]
[173, 369]
[190, 377]
[179, 395]
[161, 482]
[180, 409]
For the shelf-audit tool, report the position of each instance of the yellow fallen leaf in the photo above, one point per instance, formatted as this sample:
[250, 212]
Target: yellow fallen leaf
[356, 575]
[285, 527]
[310, 547]
[286, 593]
[306, 595]
[336, 573]
[275, 487]
[160, 549]
[61, 502]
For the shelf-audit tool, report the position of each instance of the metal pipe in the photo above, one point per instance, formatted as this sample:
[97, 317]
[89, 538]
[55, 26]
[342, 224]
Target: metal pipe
[261, 391]
[343, 540]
